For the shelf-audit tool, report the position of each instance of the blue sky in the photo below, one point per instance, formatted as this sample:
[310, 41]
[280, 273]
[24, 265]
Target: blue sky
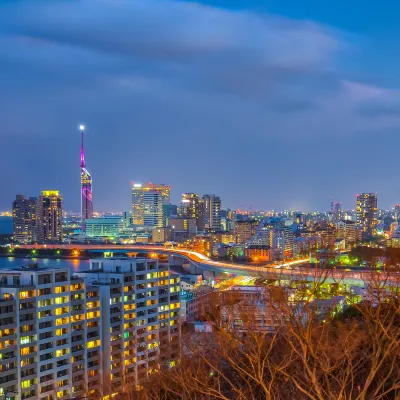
[269, 104]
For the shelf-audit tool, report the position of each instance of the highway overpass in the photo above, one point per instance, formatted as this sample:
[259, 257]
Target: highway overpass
[295, 269]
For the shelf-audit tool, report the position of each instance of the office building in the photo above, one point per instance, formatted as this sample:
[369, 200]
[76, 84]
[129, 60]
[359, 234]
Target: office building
[162, 235]
[192, 207]
[169, 210]
[346, 230]
[367, 209]
[244, 230]
[138, 203]
[107, 226]
[152, 209]
[140, 313]
[86, 188]
[183, 228]
[49, 218]
[50, 335]
[212, 212]
[24, 218]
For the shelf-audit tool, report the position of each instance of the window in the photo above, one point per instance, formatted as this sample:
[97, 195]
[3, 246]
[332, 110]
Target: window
[62, 352]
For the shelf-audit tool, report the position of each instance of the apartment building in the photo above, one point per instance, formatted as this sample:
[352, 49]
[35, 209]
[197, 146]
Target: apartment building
[49, 335]
[140, 305]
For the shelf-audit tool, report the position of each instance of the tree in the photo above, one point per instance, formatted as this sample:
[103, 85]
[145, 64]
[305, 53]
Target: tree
[351, 355]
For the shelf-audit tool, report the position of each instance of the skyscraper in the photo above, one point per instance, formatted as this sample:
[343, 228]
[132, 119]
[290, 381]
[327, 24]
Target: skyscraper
[367, 207]
[24, 218]
[244, 230]
[192, 207]
[212, 212]
[138, 193]
[152, 209]
[86, 188]
[49, 217]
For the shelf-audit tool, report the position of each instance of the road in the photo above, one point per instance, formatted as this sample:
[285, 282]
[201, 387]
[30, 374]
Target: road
[283, 270]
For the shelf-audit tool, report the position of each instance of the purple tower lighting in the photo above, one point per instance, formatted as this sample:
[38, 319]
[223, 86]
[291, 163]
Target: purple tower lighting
[86, 188]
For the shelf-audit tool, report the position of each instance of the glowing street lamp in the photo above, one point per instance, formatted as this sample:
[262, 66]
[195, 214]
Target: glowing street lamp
[81, 127]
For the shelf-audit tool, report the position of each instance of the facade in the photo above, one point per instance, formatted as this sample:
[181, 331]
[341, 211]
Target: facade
[49, 335]
[91, 335]
[273, 233]
[222, 237]
[200, 244]
[212, 212]
[258, 253]
[86, 189]
[152, 209]
[161, 235]
[244, 230]
[49, 218]
[107, 226]
[138, 204]
[140, 314]
[347, 230]
[183, 228]
[367, 209]
[192, 207]
[169, 210]
[24, 218]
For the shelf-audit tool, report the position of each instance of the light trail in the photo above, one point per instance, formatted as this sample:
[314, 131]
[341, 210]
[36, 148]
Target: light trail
[203, 262]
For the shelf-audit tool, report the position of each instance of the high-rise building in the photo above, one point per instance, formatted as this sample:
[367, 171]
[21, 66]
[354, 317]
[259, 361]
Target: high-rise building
[49, 218]
[24, 218]
[367, 209]
[50, 335]
[92, 335]
[152, 209]
[192, 207]
[86, 188]
[138, 204]
[140, 307]
[244, 230]
[212, 212]
[347, 230]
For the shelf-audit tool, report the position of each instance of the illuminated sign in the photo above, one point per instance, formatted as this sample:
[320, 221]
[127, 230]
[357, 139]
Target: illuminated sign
[50, 193]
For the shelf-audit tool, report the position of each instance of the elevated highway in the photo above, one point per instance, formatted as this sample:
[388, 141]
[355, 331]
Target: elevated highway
[295, 269]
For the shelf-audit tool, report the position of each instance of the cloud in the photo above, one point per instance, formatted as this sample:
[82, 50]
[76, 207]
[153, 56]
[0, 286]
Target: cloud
[236, 52]
[170, 80]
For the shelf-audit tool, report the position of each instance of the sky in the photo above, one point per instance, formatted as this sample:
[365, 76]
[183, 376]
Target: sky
[269, 104]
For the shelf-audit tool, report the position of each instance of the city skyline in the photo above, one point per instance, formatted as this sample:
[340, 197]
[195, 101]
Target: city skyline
[274, 127]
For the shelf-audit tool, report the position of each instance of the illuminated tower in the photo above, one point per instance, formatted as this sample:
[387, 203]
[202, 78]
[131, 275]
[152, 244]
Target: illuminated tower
[86, 188]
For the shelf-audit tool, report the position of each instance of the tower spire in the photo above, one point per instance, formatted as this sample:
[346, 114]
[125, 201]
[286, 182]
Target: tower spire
[83, 164]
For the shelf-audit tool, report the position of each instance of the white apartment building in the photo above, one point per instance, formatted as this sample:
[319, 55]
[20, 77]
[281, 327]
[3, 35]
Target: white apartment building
[49, 340]
[91, 335]
[140, 303]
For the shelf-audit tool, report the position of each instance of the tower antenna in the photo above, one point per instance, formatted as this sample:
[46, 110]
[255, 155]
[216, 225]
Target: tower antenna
[82, 129]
